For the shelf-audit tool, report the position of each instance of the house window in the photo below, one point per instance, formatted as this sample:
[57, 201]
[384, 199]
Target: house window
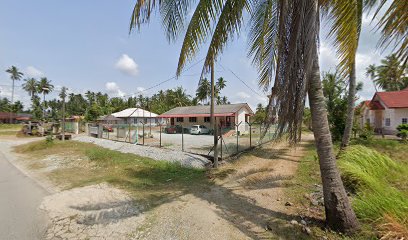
[192, 119]
[387, 122]
[207, 119]
[180, 119]
[368, 121]
[404, 121]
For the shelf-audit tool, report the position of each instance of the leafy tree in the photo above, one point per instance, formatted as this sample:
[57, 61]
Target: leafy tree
[391, 75]
[260, 114]
[203, 92]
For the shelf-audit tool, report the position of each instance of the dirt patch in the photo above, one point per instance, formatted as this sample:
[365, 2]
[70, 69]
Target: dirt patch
[92, 212]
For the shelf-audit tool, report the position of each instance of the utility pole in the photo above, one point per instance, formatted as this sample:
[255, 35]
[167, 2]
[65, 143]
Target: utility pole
[212, 116]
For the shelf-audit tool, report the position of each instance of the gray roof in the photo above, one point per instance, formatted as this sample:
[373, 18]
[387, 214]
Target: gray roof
[205, 109]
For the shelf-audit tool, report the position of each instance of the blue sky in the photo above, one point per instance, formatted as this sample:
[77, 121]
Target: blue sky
[86, 45]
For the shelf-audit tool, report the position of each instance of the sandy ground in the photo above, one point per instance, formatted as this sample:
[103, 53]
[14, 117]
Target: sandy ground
[236, 207]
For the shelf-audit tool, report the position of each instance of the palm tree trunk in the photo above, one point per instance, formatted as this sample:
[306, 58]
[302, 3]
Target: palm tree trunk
[63, 120]
[12, 101]
[339, 214]
[350, 108]
[213, 119]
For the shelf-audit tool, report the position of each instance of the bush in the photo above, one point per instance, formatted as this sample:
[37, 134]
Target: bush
[367, 132]
[49, 139]
[402, 131]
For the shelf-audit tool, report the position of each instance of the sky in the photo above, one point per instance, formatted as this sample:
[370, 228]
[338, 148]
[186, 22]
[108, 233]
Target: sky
[86, 45]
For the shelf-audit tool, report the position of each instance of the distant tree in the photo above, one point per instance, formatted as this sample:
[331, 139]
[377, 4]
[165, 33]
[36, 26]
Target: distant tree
[15, 75]
[30, 85]
[45, 87]
[203, 91]
[391, 75]
[260, 114]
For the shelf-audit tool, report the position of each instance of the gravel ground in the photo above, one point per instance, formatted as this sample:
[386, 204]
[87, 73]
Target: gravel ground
[186, 159]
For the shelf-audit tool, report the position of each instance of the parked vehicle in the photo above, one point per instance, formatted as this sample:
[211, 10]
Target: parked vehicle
[107, 128]
[199, 129]
[170, 129]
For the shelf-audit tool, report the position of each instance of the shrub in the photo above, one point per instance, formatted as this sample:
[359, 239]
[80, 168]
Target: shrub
[367, 132]
[402, 131]
[49, 139]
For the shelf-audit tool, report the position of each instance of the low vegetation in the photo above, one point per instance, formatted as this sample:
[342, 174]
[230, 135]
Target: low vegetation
[374, 172]
[379, 187]
[141, 176]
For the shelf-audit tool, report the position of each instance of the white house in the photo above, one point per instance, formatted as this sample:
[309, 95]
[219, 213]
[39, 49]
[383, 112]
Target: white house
[386, 111]
[138, 116]
[226, 115]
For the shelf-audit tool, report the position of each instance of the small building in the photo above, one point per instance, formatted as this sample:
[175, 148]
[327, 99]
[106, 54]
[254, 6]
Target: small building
[5, 117]
[138, 116]
[110, 119]
[226, 115]
[385, 111]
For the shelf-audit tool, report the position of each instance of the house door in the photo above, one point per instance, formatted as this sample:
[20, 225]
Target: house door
[171, 121]
[228, 121]
[378, 120]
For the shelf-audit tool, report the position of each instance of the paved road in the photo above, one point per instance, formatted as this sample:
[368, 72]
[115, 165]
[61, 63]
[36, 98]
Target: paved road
[20, 197]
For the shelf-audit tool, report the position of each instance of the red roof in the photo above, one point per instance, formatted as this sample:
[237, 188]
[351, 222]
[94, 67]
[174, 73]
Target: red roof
[397, 99]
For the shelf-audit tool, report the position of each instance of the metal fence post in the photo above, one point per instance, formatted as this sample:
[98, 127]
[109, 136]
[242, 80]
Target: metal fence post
[237, 132]
[160, 144]
[250, 135]
[221, 141]
[143, 132]
[182, 138]
[130, 140]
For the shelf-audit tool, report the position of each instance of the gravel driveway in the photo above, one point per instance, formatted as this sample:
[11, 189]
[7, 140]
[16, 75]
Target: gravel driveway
[185, 159]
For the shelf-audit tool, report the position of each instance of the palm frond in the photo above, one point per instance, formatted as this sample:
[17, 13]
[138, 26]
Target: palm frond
[173, 13]
[263, 39]
[142, 12]
[394, 28]
[346, 16]
[229, 24]
[198, 30]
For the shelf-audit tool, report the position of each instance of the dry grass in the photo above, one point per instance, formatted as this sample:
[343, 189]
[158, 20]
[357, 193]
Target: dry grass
[393, 229]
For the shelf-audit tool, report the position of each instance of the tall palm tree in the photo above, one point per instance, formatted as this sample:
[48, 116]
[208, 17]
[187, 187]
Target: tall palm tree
[63, 96]
[204, 90]
[391, 75]
[220, 84]
[276, 26]
[30, 86]
[45, 87]
[15, 75]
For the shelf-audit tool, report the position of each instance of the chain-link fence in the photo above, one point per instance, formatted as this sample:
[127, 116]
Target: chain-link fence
[196, 139]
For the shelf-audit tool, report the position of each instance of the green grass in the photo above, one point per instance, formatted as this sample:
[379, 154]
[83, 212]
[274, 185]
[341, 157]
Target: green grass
[376, 180]
[143, 177]
[6, 126]
[375, 174]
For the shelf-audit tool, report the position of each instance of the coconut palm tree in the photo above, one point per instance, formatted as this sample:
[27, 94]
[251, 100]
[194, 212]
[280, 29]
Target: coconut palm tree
[203, 91]
[63, 96]
[275, 27]
[30, 86]
[15, 75]
[44, 87]
[391, 75]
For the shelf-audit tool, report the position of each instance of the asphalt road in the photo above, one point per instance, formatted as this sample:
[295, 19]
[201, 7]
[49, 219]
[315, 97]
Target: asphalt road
[20, 198]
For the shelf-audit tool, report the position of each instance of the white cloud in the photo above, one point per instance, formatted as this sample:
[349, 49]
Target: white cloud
[113, 89]
[243, 95]
[140, 89]
[33, 72]
[127, 65]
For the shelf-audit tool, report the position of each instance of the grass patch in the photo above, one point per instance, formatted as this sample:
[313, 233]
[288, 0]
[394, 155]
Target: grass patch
[395, 149]
[8, 133]
[375, 179]
[143, 177]
[6, 126]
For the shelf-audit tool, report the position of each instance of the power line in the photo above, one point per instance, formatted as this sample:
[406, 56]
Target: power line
[241, 80]
[160, 83]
